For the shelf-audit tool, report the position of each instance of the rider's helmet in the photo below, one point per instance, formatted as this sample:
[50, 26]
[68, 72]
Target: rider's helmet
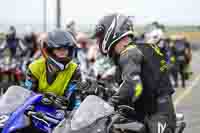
[83, 40]
[110, 29]
[29, 33]
[11, 32]
[71, 25]
[154, 36]
[55, 40]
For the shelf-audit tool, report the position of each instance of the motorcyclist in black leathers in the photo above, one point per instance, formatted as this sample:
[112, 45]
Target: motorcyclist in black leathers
[182, 52]
[145, 81]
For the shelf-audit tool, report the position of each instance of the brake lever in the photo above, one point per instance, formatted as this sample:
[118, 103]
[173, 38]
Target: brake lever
[42, 117]
[121, 107]
[61, 102]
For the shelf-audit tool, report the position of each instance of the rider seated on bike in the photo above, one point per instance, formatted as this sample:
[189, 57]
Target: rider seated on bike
[55, 70]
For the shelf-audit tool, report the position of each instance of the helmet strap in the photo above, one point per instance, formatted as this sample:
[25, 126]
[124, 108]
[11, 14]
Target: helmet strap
[55, 65]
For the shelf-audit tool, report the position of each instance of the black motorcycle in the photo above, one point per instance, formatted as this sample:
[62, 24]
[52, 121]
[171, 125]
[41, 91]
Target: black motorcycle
[97, 116]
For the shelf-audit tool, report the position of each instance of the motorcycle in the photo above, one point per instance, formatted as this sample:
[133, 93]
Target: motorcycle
[95, 115]
[31, 111]
[10, 73]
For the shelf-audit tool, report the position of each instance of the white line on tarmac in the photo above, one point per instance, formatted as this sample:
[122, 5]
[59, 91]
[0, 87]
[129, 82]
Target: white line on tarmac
[187, 91]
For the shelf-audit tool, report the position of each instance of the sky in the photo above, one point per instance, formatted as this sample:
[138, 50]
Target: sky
[171, 12]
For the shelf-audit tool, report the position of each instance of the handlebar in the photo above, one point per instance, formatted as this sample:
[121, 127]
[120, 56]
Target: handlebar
[42, 116]
[118, 116]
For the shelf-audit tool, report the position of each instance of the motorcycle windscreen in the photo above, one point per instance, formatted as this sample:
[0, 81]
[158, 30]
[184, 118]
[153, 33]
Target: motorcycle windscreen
[90, 110]
[13, 98]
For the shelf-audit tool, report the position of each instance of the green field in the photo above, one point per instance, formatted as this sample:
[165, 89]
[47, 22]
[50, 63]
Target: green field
[191, 32]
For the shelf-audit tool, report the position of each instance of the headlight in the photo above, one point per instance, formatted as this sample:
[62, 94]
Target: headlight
[3, 120]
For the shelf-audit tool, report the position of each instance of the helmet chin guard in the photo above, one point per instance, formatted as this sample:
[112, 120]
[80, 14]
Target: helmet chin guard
[57, 65]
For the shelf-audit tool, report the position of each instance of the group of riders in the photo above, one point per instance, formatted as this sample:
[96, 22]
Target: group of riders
[144, 69]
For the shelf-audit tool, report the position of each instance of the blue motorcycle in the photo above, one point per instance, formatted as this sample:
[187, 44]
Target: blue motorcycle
[22, 110]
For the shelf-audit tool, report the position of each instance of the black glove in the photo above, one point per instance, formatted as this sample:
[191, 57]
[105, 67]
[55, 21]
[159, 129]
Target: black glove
[116, 101]
[83, 85]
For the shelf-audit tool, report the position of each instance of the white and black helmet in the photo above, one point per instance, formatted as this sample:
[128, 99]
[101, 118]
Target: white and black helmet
[110, 29]
[154, 36]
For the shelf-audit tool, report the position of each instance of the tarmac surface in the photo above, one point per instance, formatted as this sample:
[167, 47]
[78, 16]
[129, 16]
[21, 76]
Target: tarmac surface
[187, 100]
